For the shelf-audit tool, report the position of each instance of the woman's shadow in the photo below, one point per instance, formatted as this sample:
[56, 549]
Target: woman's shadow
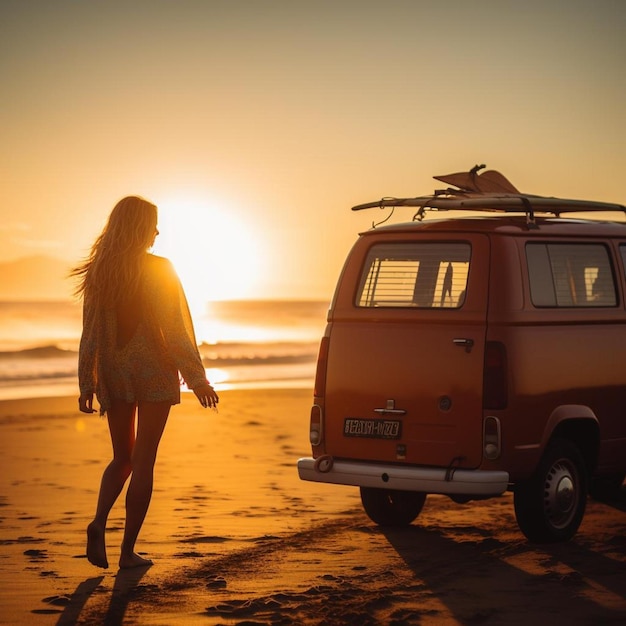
[126, 581]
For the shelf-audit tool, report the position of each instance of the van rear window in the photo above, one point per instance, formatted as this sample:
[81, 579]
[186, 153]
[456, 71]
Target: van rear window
[570, 275]
[423, 275]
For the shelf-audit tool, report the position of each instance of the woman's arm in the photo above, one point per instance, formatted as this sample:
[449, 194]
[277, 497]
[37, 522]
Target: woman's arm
[87, 354]
[169, 305]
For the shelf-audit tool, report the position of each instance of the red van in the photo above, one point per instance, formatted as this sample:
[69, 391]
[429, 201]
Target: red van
[471, 355]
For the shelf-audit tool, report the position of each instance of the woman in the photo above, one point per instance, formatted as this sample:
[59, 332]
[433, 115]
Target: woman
[137, 337]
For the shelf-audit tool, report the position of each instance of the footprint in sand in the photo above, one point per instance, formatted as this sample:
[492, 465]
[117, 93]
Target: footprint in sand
[217, 582]
[57, 600]
[36, 556]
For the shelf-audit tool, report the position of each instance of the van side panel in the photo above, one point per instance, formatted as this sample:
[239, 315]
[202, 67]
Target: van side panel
[559, 357]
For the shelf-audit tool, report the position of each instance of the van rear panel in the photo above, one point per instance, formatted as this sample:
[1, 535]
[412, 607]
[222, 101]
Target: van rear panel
[405, 363]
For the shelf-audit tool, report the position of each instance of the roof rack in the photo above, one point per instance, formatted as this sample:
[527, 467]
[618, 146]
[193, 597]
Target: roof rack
[489, 192]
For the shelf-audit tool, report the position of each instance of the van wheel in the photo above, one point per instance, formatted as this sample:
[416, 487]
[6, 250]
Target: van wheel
[549, 507]
[391, 507]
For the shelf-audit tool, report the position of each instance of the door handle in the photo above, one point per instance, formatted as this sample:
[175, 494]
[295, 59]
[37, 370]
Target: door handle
[390, 411]
[463, 342]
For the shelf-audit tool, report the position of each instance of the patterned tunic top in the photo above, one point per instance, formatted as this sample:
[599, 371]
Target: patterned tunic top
[135, 352]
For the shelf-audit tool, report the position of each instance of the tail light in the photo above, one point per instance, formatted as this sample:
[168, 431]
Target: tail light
[491, 438]
[495, 378]
[315, 427]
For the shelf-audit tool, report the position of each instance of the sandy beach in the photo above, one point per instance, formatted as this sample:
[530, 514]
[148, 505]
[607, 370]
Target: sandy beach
[237, 538]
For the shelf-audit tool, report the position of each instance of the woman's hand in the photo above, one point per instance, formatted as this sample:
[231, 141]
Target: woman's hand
[207, 396]
[85, 403]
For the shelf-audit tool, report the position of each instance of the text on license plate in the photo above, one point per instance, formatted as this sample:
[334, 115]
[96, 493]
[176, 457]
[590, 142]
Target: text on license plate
[373, 428]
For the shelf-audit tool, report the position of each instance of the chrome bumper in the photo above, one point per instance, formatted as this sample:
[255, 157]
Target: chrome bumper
[405, 478]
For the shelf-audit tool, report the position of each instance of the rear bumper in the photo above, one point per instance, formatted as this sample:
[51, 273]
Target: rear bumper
[405, 478]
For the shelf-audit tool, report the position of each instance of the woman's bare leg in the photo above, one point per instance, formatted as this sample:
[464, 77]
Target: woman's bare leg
[121, 417]
[151, 421]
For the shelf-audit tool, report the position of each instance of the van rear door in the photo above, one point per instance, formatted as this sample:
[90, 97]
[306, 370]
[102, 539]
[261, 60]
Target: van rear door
[405, 361]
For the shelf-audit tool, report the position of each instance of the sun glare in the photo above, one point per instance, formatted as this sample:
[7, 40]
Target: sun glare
[215, 253]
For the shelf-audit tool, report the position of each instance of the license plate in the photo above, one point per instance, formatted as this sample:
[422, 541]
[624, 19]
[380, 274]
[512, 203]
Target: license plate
[372, 428]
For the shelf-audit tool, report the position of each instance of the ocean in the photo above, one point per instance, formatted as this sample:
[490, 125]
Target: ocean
[270, 343]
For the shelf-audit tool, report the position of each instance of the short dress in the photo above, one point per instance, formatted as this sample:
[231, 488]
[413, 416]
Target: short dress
[137, 372]
[150, 363]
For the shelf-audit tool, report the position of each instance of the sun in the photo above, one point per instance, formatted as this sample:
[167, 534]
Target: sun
[216, 254]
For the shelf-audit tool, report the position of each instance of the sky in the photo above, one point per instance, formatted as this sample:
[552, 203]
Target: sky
[256, 125]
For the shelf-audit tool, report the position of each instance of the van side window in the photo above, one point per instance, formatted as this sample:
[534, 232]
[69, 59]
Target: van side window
[425, 275]
[570, 275]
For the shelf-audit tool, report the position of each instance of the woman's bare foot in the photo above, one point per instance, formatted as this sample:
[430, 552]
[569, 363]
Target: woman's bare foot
[134, 560]
[96, 548]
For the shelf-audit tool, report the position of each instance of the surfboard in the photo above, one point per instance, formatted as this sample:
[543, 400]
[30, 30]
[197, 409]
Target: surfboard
[490, 191]
[504, 203]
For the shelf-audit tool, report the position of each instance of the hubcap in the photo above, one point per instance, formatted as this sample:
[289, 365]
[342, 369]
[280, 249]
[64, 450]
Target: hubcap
[561, 493]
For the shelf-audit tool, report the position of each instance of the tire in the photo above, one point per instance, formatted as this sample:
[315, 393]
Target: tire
[550, 506]
[607, 488]
[390, 507]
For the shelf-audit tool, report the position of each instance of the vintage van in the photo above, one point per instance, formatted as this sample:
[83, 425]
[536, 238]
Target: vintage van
[476, 354]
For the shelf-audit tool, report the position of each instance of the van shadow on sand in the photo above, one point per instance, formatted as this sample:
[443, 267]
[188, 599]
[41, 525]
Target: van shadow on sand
[492, 580]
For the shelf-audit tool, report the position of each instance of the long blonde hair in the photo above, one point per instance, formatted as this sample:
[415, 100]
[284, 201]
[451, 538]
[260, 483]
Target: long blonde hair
[113, 269]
